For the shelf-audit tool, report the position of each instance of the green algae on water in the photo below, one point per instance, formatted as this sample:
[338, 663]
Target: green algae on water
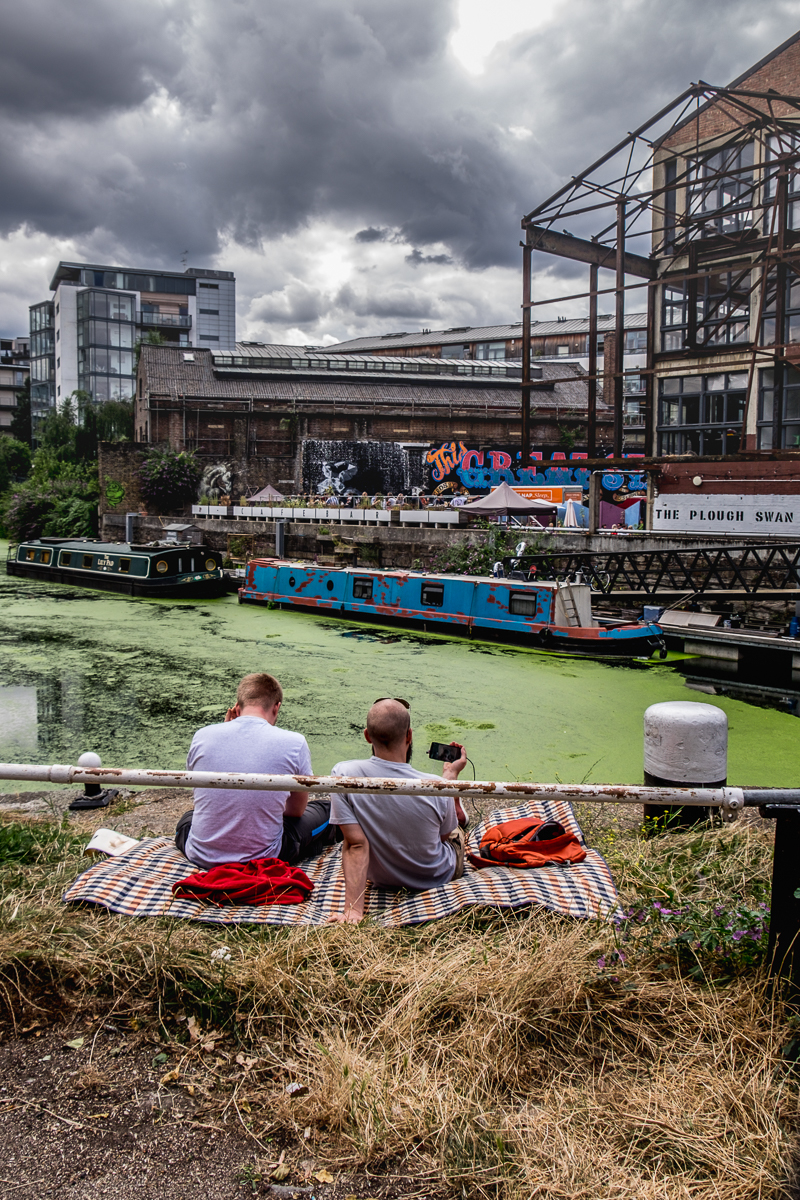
[132, 679]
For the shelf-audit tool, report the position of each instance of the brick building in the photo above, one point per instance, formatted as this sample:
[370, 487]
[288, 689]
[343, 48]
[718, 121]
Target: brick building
[309, 421]
[702, 219]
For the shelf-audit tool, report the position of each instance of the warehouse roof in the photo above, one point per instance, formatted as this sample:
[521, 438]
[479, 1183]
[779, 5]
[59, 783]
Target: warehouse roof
[482, 333]
[194, 374]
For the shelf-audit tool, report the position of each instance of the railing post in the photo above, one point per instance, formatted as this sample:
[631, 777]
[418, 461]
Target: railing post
[684, 743]
[784, 915]
[93, 796]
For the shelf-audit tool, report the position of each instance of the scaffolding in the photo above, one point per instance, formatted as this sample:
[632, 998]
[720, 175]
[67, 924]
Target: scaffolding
[700, 205]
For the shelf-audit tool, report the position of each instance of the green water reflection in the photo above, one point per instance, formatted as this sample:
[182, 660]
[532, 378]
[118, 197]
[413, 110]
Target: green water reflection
[132, 680]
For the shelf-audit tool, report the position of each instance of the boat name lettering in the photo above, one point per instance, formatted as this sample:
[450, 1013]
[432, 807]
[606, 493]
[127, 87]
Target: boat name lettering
[105, 561]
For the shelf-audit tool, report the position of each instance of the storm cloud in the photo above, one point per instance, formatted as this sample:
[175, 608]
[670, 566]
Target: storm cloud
[334, 153]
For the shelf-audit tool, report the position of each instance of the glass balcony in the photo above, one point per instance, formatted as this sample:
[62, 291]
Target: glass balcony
[170, 319]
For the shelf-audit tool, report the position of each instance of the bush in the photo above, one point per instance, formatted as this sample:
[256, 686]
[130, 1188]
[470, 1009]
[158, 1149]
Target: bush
[478, 558]
[55, 508]
[168, 479]
[15, 461]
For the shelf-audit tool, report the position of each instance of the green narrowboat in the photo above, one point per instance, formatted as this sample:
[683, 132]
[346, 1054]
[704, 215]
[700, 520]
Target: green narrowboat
[159, 569]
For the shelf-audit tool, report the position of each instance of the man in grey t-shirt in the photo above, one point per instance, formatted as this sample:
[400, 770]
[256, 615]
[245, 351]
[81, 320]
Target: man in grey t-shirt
[237, 826]
[396, 840]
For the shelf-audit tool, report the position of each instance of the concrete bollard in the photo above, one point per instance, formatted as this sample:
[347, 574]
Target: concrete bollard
[93, 796]
[686, 745]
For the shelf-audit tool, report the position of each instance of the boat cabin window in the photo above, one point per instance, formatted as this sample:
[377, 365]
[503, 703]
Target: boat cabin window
[30, 555]
[362, 589]
[432, 595]
[87, 562]
[522, 604]
[125, 565]
[65, 559]
[46, 556]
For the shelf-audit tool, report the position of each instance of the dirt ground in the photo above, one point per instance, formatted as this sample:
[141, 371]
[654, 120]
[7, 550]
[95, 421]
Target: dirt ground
[91, 1118]
[84, 1114]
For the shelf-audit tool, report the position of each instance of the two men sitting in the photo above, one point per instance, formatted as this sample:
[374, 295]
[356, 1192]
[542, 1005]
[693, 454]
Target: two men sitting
[395, 840]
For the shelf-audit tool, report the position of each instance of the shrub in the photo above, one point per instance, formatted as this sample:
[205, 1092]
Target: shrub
[55, 508]
[15, 461]
[168, 478]
[479, 557]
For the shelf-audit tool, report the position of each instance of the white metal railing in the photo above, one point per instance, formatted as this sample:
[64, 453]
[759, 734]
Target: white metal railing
[729, 799]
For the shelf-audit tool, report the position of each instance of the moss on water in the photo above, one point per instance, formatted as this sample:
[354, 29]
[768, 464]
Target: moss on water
[132, 680]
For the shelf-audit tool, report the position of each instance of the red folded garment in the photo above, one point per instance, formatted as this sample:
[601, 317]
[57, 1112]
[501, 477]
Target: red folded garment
[262, 881]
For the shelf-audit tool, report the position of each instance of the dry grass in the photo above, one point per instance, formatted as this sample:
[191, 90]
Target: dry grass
[486, 1053]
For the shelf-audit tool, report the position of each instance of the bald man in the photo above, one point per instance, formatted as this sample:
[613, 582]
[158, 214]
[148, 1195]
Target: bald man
[395, 840]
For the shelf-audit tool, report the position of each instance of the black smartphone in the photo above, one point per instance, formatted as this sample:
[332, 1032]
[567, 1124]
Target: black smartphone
[443, 752]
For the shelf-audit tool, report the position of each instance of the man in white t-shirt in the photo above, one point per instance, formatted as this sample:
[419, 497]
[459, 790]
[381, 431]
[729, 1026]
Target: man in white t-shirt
[395, 840]
[238, 826]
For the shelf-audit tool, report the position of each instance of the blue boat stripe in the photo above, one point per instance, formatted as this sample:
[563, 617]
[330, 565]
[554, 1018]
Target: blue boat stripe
[314, 832]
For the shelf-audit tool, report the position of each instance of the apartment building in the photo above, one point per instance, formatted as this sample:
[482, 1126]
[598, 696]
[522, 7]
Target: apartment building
[14, 371]
[85, 337]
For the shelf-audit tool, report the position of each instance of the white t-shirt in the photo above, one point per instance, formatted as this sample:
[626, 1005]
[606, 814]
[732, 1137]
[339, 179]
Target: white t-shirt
[404, 831]
[234, 826]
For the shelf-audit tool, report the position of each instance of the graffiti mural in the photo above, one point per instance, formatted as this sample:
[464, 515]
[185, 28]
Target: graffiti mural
[456, 468]
[216, 481]
[348, 468]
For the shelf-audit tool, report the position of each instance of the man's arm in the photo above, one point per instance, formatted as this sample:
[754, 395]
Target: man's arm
[295, 804]
[355, 858]
[452, 771]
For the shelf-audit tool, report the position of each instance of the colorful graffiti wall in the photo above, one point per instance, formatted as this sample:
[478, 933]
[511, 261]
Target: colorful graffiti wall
[457, 469]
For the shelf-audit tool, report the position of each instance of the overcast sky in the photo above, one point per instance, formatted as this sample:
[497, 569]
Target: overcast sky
[362, 165]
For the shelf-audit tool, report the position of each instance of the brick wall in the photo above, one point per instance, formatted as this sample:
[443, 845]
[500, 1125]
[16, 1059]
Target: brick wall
[118, 466]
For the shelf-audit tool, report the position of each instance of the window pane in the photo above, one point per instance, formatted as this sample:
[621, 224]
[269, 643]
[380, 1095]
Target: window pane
[671, 387]
[735, 407]
[793, 328]
[765, 437]
[712, 441]
[791, 405]
[738, 379]
[716, 409]
[767, 398]
[791, 436]
[669, 412]
[691, 410]
[715, 383]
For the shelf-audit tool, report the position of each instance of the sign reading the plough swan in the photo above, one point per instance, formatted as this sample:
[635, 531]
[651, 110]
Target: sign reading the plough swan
[767, 516]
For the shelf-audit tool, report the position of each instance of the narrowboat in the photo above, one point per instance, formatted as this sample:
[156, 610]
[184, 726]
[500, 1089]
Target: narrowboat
[549, 615]
[160, 569]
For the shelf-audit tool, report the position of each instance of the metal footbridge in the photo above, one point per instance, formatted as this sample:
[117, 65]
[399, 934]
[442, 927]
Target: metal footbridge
[770, 570]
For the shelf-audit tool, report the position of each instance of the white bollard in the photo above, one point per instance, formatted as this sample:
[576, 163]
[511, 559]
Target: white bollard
[93, 796]
[685, 744]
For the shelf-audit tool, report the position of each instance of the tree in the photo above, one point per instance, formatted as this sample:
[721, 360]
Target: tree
[21, 421]
[15, 460]
[169, 479]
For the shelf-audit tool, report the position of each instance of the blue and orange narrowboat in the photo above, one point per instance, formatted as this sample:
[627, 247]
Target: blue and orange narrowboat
[553, 616]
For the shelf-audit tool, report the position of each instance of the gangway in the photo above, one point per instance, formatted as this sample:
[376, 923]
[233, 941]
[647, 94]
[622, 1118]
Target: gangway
[769, 570]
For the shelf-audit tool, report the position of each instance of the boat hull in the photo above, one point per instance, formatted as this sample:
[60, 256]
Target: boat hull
[469, 606]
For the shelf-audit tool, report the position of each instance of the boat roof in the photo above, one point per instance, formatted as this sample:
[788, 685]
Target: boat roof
[97, 546]
[389, 572]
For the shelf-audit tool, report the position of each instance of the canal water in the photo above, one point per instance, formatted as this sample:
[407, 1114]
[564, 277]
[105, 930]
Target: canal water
[132, 679]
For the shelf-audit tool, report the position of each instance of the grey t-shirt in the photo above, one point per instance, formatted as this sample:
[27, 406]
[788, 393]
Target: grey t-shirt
[404, 831]
[233, 826]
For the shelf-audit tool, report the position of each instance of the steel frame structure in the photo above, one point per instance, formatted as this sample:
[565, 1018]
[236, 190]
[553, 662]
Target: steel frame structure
[625, 197]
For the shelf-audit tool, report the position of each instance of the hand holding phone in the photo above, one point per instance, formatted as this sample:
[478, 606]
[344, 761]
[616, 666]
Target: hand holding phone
[444, 752]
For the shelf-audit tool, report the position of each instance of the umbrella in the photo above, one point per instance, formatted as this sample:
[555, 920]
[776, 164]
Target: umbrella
[504, 501]
[570, 516]
[267, 493]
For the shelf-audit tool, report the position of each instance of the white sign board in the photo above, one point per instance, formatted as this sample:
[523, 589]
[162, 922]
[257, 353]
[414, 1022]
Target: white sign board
[766, 516]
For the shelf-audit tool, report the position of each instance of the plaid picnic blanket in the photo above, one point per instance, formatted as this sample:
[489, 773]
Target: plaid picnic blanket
[139, 884]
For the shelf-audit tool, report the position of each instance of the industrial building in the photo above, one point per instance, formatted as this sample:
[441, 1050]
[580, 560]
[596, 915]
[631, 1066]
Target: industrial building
[309, 421]
[697, 213]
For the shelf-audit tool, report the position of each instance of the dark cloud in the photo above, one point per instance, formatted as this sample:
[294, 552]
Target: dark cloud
[417, 259]
[149, 129]
[372, 235]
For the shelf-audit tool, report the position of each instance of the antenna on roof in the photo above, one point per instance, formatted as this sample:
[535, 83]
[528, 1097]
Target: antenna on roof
[184, 258]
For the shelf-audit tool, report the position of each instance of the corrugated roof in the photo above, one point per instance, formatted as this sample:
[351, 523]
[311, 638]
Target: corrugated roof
[173, 372]
[483, 333]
